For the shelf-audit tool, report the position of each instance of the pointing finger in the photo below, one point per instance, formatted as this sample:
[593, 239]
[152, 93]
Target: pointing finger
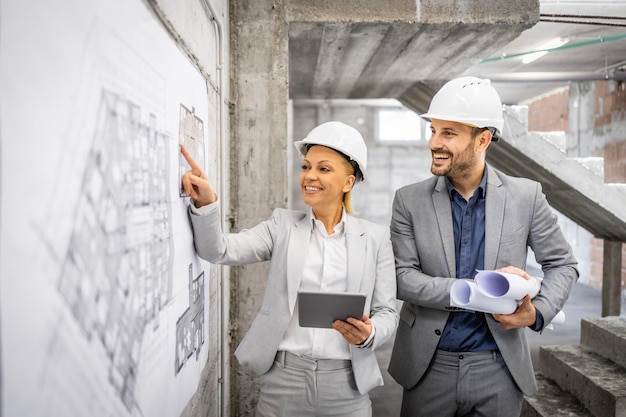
[192, 162]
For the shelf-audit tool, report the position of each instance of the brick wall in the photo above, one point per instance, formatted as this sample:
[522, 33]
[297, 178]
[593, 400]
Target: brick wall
[549, 113]
[611, 111]
[615, 162]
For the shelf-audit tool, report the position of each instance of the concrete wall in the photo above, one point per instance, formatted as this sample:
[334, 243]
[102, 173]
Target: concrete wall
[259, 107]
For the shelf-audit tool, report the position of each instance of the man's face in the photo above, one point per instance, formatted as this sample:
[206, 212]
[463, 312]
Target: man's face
[452, 146]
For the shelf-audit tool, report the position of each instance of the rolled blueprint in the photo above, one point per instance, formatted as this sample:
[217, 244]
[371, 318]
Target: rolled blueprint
[465, 293]
[496, 293]
[502, 284]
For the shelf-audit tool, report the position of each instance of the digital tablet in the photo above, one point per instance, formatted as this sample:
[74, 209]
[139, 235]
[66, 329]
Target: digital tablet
[321, 309]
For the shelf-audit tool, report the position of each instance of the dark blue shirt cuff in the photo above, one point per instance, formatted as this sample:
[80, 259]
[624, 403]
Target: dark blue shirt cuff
[538, 321]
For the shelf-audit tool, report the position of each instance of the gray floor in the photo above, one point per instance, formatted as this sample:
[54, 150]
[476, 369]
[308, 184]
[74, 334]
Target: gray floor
[584, 301]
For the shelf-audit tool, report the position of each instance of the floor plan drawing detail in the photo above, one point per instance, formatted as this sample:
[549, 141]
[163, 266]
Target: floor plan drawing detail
[190, 326]
[117, 272]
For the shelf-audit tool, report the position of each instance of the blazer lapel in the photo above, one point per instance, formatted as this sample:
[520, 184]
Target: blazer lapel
[443, 211]
[296, 253]
[356, 244]
[494, 217]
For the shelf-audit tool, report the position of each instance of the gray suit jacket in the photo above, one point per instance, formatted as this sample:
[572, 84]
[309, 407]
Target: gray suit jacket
[517, 216]
[283, 240]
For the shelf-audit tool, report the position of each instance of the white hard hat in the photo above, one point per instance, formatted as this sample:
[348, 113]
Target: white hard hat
[468, 100]
[340, 137]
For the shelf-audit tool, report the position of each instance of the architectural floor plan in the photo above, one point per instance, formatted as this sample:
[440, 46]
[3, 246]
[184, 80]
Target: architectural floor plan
[104, 300]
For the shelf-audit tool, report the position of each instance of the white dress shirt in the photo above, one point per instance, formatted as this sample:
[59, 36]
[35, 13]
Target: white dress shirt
[325, 269]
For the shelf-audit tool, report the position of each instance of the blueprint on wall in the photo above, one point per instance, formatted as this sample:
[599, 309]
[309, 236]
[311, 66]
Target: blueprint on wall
[103, 302]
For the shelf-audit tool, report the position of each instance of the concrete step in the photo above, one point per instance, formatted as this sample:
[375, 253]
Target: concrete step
[552, 401]
[605, 336]
[594, 164]
[598, 383]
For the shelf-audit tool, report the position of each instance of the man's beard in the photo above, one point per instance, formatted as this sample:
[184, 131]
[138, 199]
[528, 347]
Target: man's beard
[459, 165]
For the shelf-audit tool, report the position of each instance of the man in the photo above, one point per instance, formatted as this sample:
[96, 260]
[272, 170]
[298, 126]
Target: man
[470, 217]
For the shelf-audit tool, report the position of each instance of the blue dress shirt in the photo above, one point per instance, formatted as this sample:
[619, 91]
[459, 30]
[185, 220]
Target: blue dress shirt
[468, 331]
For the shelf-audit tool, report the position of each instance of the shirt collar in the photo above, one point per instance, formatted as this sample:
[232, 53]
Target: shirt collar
[482, 187]
[339, 227]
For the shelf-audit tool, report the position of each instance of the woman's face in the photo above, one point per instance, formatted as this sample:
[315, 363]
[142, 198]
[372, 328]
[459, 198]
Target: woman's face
[324, 178]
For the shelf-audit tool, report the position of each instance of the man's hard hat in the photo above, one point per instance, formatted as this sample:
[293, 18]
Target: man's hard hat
[340, 137]
[469, 100]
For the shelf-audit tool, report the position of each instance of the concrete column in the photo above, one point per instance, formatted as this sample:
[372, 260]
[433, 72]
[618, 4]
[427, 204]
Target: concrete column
[611, 278]
[259, 91]
[580, 138]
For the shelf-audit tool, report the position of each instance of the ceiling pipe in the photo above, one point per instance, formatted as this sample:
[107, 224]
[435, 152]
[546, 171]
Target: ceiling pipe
[555, 76]
[559, 48]
[581, 16]
[583, 22]
[619, 21]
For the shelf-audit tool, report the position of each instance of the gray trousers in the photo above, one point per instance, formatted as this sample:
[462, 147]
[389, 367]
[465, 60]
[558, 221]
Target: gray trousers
[464, 384]
[300, 387]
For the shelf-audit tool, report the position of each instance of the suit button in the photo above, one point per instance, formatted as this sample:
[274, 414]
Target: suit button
[461, 357]
[438, 332]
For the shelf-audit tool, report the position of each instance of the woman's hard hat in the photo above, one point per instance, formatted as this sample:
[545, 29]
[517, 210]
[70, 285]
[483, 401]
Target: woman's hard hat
[340, 137]
[469, 100]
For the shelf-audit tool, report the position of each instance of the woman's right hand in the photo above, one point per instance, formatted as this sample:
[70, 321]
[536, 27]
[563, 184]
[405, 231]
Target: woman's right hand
[196, 183]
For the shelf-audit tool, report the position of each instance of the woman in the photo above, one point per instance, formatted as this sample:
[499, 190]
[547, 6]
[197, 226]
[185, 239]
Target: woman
[306, 371]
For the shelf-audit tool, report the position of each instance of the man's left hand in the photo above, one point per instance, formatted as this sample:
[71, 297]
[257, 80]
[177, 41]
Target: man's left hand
[524, 316]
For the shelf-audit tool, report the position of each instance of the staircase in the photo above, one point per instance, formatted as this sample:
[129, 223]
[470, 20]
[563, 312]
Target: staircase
[583, 380]
[573, 186]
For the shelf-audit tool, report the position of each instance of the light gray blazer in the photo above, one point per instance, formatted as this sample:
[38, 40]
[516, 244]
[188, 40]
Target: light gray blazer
[283, 240]
[517, 216]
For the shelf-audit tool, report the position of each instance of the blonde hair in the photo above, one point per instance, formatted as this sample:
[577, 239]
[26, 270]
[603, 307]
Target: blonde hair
[347, 202]
[347, 197]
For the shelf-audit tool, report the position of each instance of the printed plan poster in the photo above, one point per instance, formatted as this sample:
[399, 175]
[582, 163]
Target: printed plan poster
[103, 301]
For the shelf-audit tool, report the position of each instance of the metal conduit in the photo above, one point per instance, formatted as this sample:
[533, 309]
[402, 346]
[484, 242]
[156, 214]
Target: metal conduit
[581, 16]
[556, 76]
[584, 19]
[558, 48]
[598, 23]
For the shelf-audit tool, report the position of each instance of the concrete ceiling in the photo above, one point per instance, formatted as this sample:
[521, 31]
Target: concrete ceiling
[407, 49]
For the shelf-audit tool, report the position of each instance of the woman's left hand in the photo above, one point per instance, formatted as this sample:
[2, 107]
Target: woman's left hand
[353, 330]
